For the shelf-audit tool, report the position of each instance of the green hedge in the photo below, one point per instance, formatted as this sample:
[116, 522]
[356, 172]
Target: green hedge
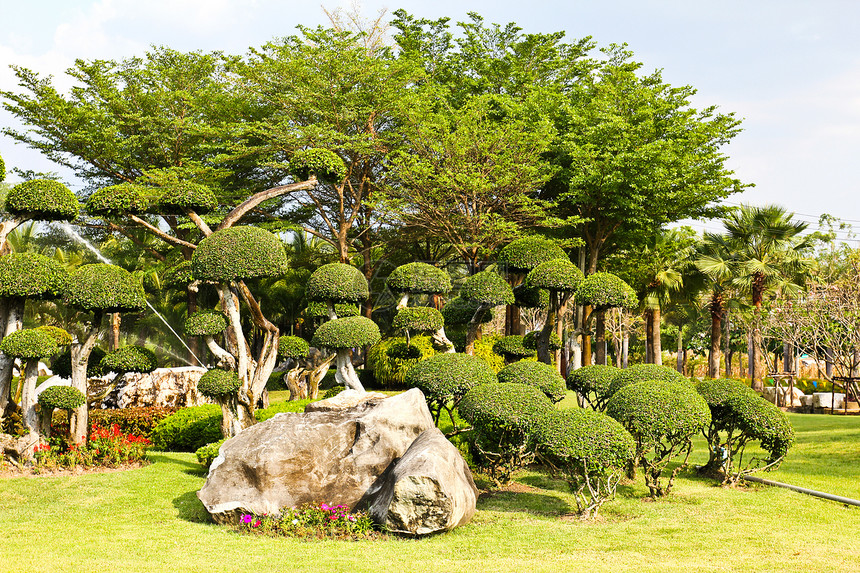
[206, 322]
[207, 454]
[42, 199]
[418, 318]
[239, 253]
[542, 376]
[522, 255]
[350, 332]
[108, 288]
[337, 282]
[117, 200]
[129, 359]
[419, 278]
[62, 397]
[592, 383]
[188, 429]
[31, 275]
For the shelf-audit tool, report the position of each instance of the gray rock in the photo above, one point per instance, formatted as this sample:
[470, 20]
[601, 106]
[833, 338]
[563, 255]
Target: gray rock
[164, 387]
[344, 400]
[429, 490]
[313, 457]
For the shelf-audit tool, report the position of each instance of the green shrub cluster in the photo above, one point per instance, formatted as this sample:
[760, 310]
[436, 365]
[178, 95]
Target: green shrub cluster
[522, 255]
[418, 318]
[390, 370]
[293, 347]
[487, 287]
[62, 364]
[185, 196]
[29, 344]
[317, 309]
[605, 290]
[419, 278]
[188, 429]
[42, 199]
[206, 322]
[762, 421]
[403, 351]
[447, 377]
[179, 275]
[2, 170]
[117, 200]
[62, 397]
[103, 287]
[207, 454]
[512, 348]
[136, 421]
[525, 297]
[592, 383]
[60, 336]
[644, 372]
[460, 311]
[218, 383]
[542, 376]
[239, 253]
[31, 275]
[350, 332]
[558, 275]
[530, 340]
[322, 163]
[337, 282]
[129, 359]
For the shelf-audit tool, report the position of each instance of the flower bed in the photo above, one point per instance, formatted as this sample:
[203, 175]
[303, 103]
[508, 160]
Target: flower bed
[313, 522]
[107, 447]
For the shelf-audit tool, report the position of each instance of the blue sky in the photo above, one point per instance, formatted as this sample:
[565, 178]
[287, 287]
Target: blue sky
[790, 69]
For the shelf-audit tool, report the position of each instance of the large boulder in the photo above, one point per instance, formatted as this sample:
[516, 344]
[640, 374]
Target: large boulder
[323, 456]
[430, 489]
[163, 387]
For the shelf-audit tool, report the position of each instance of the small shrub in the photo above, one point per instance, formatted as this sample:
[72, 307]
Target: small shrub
[61, 397]
[29, 344]
[542, 376]
[592, 383]
[337, 282]
[207, 454]
[512, 348]
[293, 347]
[350, 332]
[188, 429]
[206, 322]
[522, 255]
[445, 378]
[129, 359]
[644, 372]
[218, 384]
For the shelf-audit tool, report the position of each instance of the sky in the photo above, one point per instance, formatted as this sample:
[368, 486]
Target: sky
[789, 68]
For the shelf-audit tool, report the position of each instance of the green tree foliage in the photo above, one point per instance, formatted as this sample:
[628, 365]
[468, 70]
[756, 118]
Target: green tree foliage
[542, 376]
[643, 373]
[418, 278]
[31, 275]
[31, 344]
[592, 383]
[104, 288]
[337, 282]
[62, 397]
[512, 348]
[445, 378]
[42, 199]
[293, 347]
[239, 253]
[218, 383]
[206, 323]
[129, 359]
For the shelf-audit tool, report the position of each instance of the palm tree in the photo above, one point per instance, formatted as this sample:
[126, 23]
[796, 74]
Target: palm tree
[713, 260]
[768, 255]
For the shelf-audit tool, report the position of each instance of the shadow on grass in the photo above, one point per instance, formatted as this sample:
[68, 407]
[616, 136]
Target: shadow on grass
[523, 502]
[192, 468]
[189, 508]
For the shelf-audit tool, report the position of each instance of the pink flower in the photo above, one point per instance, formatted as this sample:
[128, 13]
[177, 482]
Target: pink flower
[247, 518]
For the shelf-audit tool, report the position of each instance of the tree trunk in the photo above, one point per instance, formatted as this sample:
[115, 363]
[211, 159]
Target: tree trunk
[652, 318]
[679, 360]
[727, 345]
[625, 348]
[14, 315]
[649, 337]
[345, 372]
[80, 354]
[28, 395]
[113, 334]
[440, 339]
[716, 339]
[788, 357]
[600, 337]
[828, 363]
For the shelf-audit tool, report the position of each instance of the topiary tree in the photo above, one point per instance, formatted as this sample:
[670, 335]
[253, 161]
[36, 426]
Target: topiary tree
[512, 348]
[210, 323]
[600, 292]
[662, 417]
[317, 163]
[459, 311]
[30, 346]
[740, 416]
[423, 319]
[560, 278]
[302, 382]
[124, 360]
[592, 383]
[117, 201]
[223, 387]
[96, 289]
[337, 283]
[342, 335]
[590, 448]
[321, 310]
[57, 397]
[183, 197]
[504, 418]
[445, 378]
[643, 373]
[23, 276]
[391, 358]
[420, 278]
[542, 376]
[487, 289]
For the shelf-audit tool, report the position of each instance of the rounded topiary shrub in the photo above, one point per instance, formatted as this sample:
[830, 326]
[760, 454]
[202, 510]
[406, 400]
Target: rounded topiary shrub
[337, 282]
[662, 417]
[239, 253]
[504, 418]
[403, 351]
[558, 275]
[206, 323]
[542, 376]
[178, 275]
[460, 311]
[763, 422]
[512, 348]
[644, 372]
[592, 383]
[530, 340]
[62, 364]
[30, 344]
[487, 287]
[293, 347]
[525, 297]
[325, 165]
[103, 287]
[522, 255]
[318, 309]
[420, 318]
[60, 336]
[350, 332]
[31, 275]
[605, 290]
[218, 384]
[445, 378]
[42, 199]
[129, 359]
[592, 450]
[188, 429]
[419, 278]
[117, 200]
[184, 196]
[61, 397]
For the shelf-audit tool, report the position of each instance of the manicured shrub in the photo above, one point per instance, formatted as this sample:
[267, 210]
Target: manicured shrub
[503, 418]
[592, 383]
[403, 351]
[460, 311]
[136, 421]
[31, 275]
[188, 429]
[487, 287]
[316, 309]
[207, 454]
[522, 255]
[663, 417]
[29, 344]
[530, 340]
[184, 196]
[419, 318]
[763, 422]
[526, 297]
[293, 347]
[644, 372]
[445, 378]
[542, 376]
[512, 348]
[60, 336]
[61, 397]
[117, 200]
[106, 288]
[389, 369]
[419, 278]
[129, 359]
[350, 332]
[239, 253]
[62, 364]
[555, 275]
[322, 163]
[42, 199]
[337, 282]
[179, 275]
[592, 450]
[206, 323]
[218, 384]
[605, 290]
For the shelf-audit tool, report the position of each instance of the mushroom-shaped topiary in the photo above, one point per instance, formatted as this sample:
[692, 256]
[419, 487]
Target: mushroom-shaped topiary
[104, 288]
[323, 164]
[239, 253]
[418, 278]
[221, 386]
[663, 417]
[560, 278]
[643, 373]
[318, 309]
[459, 311]
[522, 255]
[206, 322]
[590, 448]
[423, 319]
[504, 418]
[488, 289]
[512, 348]
[526, 297]
[542, 376]
[57, 397]
[42, 199]
[31, 275]
[592, 383]
[185, 196]
[337, 282]
[117, 200]
[341, 335]
[602, 291]
[293, 347]
[129, 359]
[60, 336]
[30, 346]
[445, 378]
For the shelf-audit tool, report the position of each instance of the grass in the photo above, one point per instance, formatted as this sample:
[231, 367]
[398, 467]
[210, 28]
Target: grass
[149, 519]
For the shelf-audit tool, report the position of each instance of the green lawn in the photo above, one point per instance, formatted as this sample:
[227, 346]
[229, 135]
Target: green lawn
[149, 519]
